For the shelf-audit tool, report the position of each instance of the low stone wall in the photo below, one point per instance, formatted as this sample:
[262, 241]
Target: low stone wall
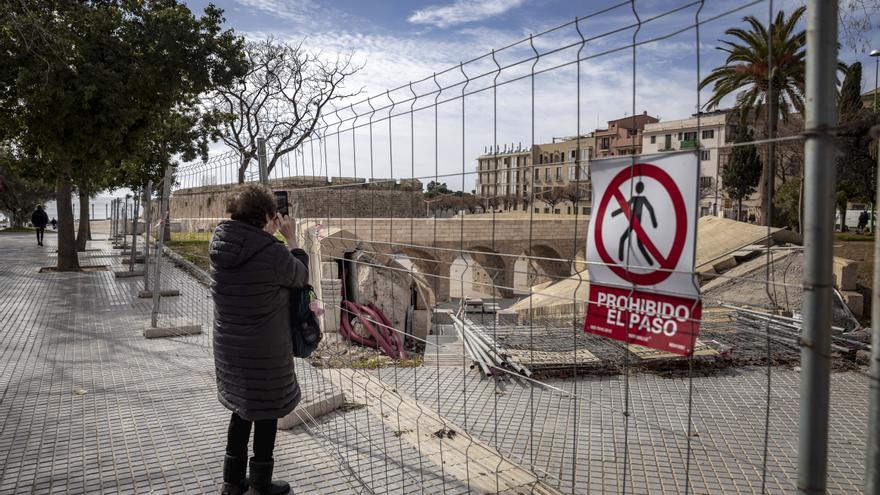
[314, 199]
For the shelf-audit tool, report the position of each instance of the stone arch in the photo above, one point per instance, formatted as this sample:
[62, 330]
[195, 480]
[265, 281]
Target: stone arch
[548, 258]
[491, 271]
[432, 270]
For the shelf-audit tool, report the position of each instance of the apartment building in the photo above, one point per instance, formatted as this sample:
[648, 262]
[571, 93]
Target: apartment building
[558, 165]
[502, 176]
[623, 136]
[706, 131]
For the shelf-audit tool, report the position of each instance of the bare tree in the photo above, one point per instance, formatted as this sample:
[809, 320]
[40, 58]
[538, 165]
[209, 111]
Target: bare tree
[281, 98]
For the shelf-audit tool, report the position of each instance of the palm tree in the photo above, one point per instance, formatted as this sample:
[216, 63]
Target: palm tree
[768, 65]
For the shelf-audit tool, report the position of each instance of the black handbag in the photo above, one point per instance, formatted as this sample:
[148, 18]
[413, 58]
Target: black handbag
[304, 327]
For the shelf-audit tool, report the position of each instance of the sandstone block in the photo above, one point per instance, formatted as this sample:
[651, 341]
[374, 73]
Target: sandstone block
[845, 273]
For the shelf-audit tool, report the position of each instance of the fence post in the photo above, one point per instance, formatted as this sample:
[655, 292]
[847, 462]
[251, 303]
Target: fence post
[135, 214]
[872, 456]
[261, 157]
[819, 180]
[125, 223]
[163, 215]
[148, 194]
[110, 215]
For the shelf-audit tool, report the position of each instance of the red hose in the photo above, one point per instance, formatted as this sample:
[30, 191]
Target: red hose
[396, 336]
[379, 339]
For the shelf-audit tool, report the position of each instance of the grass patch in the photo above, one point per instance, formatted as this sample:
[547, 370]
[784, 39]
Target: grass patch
[16, 230]
[375, 362]
[193, 250]
[191, 236]
[853, 236]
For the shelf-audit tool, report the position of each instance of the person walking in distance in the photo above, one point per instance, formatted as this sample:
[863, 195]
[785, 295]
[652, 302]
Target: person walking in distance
[39, 220]
[637, 204]
[253, 274]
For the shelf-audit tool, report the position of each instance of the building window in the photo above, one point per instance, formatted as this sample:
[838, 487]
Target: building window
[705, 155]
[556, 211]
[569, 211]
[679, 136]
[574, 154]
[653, 139]
[690, 136]
[705, 182]
[558, 173]
[572, 173]
[547, 174]
[537, 210]
[604, 143]
[586, 210]
[546, 209]
[537, 174]
[710, 134]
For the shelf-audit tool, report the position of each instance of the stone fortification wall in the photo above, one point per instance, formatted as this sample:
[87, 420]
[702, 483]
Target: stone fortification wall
[343, 197]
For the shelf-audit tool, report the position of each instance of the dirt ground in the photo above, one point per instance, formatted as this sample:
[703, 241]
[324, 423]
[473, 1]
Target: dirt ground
[863, 252]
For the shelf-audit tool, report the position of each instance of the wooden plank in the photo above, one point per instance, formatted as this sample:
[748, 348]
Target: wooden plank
[463, 456]
[650, 354]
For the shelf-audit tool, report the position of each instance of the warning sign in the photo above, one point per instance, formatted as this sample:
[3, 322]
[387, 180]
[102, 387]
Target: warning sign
[640, 251]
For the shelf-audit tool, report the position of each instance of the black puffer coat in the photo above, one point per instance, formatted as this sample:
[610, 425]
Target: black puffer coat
[253, 354]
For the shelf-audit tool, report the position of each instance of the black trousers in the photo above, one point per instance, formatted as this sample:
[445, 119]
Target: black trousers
[40, 231]
[240, 432]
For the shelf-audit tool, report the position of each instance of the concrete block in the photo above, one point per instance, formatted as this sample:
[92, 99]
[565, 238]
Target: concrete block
[443, 317]
[145, 294]
[845, 273]
[128, 274]
[725, 264]
[854, 301]
[421, 323]
[172, 331]
[314, 404]
[137, 259]
[331, 317]
[506, 318]
[330, 270]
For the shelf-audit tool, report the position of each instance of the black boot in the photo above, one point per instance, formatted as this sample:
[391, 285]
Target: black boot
[261, 482]
[234, 472]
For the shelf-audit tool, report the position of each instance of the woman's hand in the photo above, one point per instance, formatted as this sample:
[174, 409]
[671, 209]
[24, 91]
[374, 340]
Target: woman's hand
[287, 226]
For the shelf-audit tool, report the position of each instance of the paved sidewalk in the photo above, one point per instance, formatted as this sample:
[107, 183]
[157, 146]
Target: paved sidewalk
[87, 405]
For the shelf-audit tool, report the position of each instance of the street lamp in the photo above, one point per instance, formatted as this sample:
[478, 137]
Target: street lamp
[876, 55]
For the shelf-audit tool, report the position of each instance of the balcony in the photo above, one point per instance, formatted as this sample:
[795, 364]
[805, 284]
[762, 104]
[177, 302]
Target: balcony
[689, 144]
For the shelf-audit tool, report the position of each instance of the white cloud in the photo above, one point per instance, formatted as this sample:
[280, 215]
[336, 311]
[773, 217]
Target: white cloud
[462, 11]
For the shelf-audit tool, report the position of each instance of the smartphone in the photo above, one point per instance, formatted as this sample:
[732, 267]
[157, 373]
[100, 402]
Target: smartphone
[281, 203]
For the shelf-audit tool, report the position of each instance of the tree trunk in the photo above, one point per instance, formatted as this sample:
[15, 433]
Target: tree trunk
[739, 210]
[242, 167]
[67, 257]
[83, 233]
[800, 228]
[769, 172]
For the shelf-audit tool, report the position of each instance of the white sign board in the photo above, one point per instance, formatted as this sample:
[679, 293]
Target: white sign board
[642, 230]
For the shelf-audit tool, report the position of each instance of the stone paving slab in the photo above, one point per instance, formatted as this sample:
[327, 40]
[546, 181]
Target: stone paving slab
[87, 405]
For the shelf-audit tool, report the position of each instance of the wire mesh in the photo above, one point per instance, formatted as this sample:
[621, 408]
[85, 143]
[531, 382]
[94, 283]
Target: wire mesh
[453, 320]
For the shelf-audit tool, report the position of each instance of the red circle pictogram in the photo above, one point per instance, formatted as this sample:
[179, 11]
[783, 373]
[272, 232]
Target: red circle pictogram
[667, 263]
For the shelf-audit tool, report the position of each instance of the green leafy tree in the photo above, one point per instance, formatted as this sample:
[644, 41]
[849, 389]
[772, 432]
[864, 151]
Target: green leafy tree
[93, 82]
[19, 195]
[743, 170]
[787, 202]
[856, 168]
[768, 90]
[434, 189]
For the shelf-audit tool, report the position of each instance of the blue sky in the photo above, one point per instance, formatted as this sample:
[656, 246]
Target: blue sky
[399, 41]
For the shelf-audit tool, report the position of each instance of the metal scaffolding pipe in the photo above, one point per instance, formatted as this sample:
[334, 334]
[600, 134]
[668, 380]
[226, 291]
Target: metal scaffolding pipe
[872, 456]
[819, 180]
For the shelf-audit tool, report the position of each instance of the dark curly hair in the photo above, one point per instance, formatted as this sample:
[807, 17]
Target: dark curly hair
[251, 203]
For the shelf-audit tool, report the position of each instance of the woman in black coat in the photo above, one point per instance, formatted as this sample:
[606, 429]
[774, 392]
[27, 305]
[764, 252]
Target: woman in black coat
[253, 275]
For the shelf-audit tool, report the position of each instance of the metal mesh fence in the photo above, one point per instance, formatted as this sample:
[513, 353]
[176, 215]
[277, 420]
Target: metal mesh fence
[454, 282]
